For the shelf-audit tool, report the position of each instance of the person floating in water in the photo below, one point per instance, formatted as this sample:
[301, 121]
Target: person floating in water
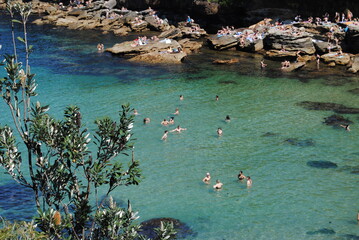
[346, 127]
[219, 131]
[146, 120]
[249, 181]
[176, 112]
[135, 112]
[165, 122]
[178, 129]
[172, 120]
[181, 97]
[227, 119]
[241, 176]
[217, 97]
[207, 178]
[165, 135]
[218, 185]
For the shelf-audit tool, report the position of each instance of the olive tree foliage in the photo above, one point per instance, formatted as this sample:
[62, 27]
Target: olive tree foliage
[62, 170]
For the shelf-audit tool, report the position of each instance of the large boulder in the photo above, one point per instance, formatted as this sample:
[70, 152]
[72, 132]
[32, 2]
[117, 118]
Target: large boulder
[340, 59]
[222, 43]
[157, 24]
[129, 48]
[293, 66]
[251, 45]
[291, 39]
[138, 26]
[325, 47]
[171, 33]
[190, 46]
[354, 68]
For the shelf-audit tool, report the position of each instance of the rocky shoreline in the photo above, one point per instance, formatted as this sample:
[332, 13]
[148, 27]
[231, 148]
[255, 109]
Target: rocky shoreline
[296, 43]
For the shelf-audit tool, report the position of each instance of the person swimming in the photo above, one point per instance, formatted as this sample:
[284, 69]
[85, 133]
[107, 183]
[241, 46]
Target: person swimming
[178, 129]
[176, 112]
[346, 127]
[165, 122]
[249, 181]
[207, 178]
[241, 176]
[135, 112]
[146, 120]
[218, 185]
[165, 135]
[219, 131]
[181, 97]
[227, 119]
[217, 97]
[172, 120]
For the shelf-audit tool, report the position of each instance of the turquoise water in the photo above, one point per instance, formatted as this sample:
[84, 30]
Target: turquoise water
[288, 198]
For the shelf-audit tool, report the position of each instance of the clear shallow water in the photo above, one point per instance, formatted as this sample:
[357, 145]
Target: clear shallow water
[288, 198]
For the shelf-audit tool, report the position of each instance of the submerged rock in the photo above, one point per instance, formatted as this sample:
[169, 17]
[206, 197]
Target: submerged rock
[337, 120]
[222, 61]
[300, 143]
[183, 230]
[322, 164]
[269, 134]
[354, 91]
[322, 231]
[325, 106]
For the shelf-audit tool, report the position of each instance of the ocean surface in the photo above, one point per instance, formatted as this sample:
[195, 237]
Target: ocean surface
[270, 138]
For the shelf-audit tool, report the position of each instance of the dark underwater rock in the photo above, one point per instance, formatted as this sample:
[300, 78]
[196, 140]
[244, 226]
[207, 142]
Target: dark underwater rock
[269, 134]
[322, 231]
[183, 230]
[327, 106]
[322, 164]
[336, 120]
[17, 201]
[351, 237]
[354, 91]
[300, 143]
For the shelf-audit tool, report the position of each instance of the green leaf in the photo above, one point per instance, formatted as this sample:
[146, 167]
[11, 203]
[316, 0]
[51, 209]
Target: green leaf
[21, 39]
[16, 21]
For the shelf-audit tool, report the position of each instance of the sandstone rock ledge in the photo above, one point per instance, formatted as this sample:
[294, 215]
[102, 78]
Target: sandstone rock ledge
[161, 51]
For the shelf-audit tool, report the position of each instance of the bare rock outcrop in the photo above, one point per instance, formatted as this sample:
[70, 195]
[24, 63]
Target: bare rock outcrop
[290, 39]
[337, 58]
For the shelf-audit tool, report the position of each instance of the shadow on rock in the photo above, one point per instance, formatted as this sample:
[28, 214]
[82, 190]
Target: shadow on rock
[326, 231]
[183, 230]
[322, 164]
[300, 143]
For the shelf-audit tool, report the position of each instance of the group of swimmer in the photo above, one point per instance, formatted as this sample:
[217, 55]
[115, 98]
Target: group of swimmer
[178, 129]
[219, 185]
